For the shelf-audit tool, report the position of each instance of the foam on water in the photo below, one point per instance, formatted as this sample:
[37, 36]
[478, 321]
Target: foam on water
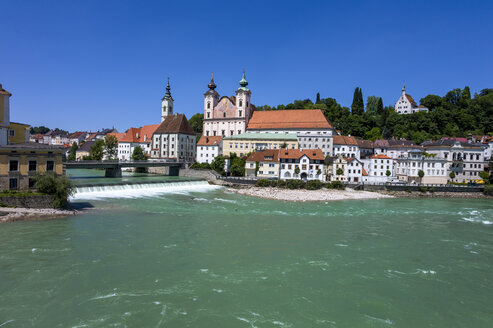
[140, 190]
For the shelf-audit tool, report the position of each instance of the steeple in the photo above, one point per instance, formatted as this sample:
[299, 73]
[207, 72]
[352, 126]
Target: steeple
[403, 87]
[168, 91]
[167, 103]
[243, 82]
[212, 85]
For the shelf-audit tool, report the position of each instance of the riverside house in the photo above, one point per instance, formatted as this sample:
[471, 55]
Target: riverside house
[268, 164]
[306, 164]
[209, 148]
[20, 163]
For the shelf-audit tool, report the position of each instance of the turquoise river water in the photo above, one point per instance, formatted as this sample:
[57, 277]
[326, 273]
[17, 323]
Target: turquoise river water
[194, 255]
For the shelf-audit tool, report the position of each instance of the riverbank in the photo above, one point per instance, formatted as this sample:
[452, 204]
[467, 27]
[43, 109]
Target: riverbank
[436, 194]
[8, 214]
[302, 195]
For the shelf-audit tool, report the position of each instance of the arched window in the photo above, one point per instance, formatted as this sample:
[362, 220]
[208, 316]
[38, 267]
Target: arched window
[241, 102]
[287, 175]
[224, 114]
[208, 105]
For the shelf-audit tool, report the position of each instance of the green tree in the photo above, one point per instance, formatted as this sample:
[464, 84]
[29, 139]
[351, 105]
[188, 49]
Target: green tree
[197, 122]
[138, 154]
[452, 175]
[58, 186]
[218, 164]
[73, 151]
[421, 174]
[431, 101]
[485, 176]
[357, 107]
[39, 129]
[372, 104]
[318, 98]
[284, 145]
[373, 134]
[387, 173]
[339, 171]
[380, 106]
[96, 151]
[297, 170]
[110, 147]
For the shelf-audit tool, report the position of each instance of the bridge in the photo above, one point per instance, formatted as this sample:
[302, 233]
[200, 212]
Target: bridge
[114, 168]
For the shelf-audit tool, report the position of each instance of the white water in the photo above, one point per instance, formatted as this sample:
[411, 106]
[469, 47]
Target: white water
[140, 190]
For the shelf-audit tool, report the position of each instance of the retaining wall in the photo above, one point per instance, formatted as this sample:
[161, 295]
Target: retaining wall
[34, 201]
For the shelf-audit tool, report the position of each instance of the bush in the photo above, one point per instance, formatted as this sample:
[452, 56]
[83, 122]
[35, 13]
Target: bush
[423, 189]
[488, 190]
[274, 183]
[295, 184]
[313, 185]
[336, 185]
[200, 166]
[59, 186]
[263, 183]
[281, 183]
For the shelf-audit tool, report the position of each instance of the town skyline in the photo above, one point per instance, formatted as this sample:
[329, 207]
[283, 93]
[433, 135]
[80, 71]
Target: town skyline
[88, 70]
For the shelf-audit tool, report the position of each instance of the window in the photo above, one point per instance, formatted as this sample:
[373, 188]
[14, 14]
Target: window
[224, 114]
[241, 103]
[33, 165]
[12, 133]
[14, 166]
[13, 183]
[240, 112]
[223, 132]
[208, 107]
[50, 166]
[232, 132]
[208, 115]
[32, 182]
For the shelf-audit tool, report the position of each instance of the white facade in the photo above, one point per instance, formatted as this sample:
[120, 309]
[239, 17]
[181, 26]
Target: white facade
[354, 170]
[126, 149]
[376, 167]
[406, 104]
[434, 169]
[206, 154]
[351, 151]
[310, 167]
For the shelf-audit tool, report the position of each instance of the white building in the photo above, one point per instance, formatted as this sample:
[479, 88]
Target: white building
[434, 169]
[174, 138]
[227, 116]
[354, 170]
[377, 167]
[465, 159]
[406, 104]
[135, 137]
[346, 146]
[209, 148]
[306, 164]
[77, 137]
[310, 125]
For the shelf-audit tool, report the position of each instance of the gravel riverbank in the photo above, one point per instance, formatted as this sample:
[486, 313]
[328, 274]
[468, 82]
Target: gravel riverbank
[31, 214]
[301, 195]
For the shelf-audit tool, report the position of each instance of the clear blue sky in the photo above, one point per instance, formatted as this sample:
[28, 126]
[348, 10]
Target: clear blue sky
[85, 65]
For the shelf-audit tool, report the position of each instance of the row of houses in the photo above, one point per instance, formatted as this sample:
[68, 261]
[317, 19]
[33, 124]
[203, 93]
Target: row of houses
[62, 138]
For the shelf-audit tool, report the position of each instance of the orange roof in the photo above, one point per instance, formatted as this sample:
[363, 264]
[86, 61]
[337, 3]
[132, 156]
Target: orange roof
[268, 155]
[411, 100]
[314, 154]
[381, 156]
[118, 135]
[345, 140]
[209, 141]
[289, 119]
[363, 171]
[92, 135]
[143, 134]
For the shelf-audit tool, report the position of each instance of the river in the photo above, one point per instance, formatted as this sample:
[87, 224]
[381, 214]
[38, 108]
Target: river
[194, 255]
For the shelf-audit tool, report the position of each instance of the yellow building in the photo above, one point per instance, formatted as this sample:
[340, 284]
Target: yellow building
[245, 143]
[19, 133]
[20, 163]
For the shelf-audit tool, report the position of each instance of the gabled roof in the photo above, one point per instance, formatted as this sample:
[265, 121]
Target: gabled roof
[345, 140]
[86, 146]
[289, 119]
[118, 135]
[176, 123]
[141, 135]
[411, 100]
[313, 154]
[209, 141]
[268, 155]
[77, 134]
[365, 143]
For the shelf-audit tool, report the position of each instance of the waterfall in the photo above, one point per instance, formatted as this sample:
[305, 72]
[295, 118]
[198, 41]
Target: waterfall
[137, 190]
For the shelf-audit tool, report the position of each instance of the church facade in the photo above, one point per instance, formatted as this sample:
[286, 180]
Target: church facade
[406, 104]
[227, 116]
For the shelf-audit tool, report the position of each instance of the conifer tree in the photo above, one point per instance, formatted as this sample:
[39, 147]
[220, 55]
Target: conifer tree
[357, 107]
[318, 98]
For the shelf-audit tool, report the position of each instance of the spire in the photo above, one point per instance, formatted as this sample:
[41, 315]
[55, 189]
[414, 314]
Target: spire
[212, 85]
[403, 87]
[168, 91]
[243, 82]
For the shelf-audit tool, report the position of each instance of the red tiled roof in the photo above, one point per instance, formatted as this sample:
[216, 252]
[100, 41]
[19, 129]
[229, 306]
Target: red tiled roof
[289, 119]
[345, 140]
[142, 134]
[118, 135]
[411, 100]
[176, 123]
[260, 156]
[314, 154]
[381, 156]
[209, 141]
[76, 134]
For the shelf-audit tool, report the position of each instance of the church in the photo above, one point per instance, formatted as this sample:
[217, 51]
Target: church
[227, 116]
[406, 104]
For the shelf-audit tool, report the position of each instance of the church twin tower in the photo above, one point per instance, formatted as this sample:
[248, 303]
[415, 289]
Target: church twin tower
[223, 116]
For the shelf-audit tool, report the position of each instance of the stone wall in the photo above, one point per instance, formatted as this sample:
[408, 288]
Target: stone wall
[443, 188]
[208, 175]
[34, 201]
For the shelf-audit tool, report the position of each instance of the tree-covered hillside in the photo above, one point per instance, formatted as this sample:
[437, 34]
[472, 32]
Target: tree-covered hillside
[455, 115]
